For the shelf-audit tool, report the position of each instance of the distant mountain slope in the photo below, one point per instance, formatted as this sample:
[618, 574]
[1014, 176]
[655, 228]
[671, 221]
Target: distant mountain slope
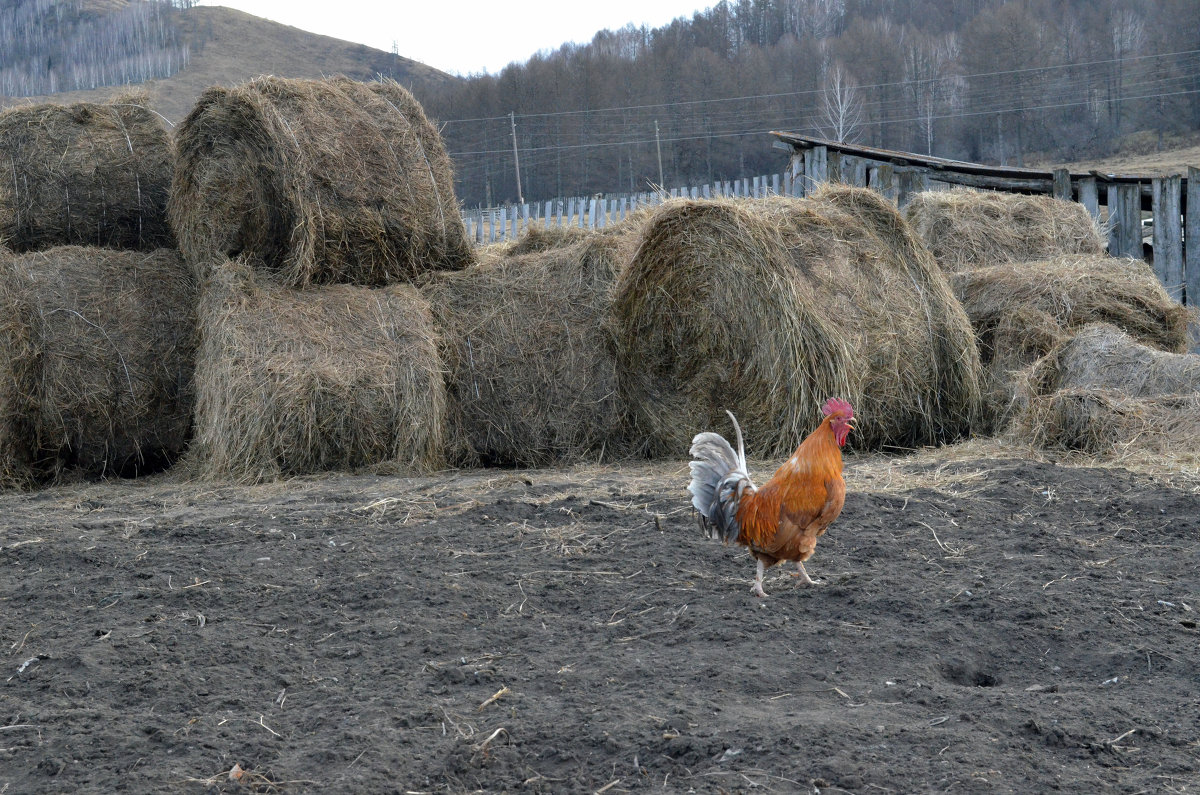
[229, 46]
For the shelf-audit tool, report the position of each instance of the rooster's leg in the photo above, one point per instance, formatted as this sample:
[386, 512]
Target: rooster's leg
[758, 578]
[802, 574]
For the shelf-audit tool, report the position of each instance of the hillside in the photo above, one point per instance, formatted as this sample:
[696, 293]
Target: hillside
[1176, 156]
[229, 46]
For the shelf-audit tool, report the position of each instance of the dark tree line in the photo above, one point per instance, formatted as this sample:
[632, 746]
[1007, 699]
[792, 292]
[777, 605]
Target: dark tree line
[983, 80]
[47, 46]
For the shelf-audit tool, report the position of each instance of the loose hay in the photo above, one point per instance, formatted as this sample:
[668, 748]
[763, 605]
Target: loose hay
[85, 174]
[96, 356]
[292, 382]
[320, 181]
[1101, 356]
[968, 228]
[1110, 423]
[768, 307]
[1021, 311]
[528, 345]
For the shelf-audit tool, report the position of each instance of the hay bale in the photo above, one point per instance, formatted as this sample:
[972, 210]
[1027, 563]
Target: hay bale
[85, 174]
[97, 349]
[1112, 424]
[544, 238]
[292, 382]
[319, 181]
[528, 347]
[1021, 311]
[1101, 356]
[768, 307]
[968, 228]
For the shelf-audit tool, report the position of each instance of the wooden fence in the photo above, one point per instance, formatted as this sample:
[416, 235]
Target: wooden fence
[1122, 203]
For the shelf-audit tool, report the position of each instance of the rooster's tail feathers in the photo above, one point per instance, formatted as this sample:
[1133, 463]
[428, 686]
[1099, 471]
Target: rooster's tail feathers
[718, 479]
[741, 453]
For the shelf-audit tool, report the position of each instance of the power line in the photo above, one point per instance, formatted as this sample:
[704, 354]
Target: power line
[757, 128]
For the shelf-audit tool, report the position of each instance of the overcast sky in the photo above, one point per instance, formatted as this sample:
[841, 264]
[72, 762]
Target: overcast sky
[465, 37]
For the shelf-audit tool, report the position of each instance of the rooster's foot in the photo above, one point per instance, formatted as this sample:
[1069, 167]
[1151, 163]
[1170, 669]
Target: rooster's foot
[758, 579]
[803, 575]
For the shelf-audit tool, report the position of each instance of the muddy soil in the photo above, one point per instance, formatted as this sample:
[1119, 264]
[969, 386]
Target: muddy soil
[984, 625]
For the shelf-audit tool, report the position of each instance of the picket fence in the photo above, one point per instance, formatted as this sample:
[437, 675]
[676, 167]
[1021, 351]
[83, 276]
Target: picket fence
[486, 225]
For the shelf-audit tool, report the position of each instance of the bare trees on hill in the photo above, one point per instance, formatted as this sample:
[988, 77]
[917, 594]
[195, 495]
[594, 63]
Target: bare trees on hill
[987, 80]
[47, 46]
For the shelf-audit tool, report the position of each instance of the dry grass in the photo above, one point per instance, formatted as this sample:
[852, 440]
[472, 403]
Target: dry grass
[85, 174]
[1021, 311]
[527, 342]
[966, 228]
[96, 355]
[320, 181]
[1111, 424]
[1101, 356]
[291, 381]
[1101, 392]
[768, 307]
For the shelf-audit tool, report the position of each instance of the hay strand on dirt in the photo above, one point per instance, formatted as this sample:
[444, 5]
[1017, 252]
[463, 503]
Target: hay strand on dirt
[969, 228]
[528, 347]
[97, 349]
[85, 174]
[320, 181]
[1020, 311]
[292, 382]
[768, 307]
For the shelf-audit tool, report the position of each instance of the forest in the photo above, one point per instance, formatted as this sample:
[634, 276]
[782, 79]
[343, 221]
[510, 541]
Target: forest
[997, 81]
[980, 80]
[48, 46]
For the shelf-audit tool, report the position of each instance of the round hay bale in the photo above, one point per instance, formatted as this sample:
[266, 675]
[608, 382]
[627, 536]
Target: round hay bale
[968, 228]
[529, 351]
[318, 181]
[292, 382]
[1020, 311]
[1101, 356]
[1111, 423]
[18, 379]
[85, 174]
[769, 307]
[97, 349]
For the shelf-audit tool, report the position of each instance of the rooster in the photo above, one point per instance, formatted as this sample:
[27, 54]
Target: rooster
[783, 519]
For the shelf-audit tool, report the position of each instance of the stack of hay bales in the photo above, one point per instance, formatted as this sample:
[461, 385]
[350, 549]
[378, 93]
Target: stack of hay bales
[1029, 270]
[768, 307]
[303, 205]
[291, 382]
[1020, 311]
[96, 354]
[529, 351]
[966, 228]
[320, 181]
[1102, 390]
[85, 174]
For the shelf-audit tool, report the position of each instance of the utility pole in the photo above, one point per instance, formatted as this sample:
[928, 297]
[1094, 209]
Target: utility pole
[658, 145]
[516, 159]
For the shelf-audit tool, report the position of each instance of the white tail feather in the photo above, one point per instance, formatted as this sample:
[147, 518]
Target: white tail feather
[741, 453]
[719, 478]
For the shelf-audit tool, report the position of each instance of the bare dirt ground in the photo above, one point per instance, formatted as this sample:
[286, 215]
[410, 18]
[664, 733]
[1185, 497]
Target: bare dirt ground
[987, 623]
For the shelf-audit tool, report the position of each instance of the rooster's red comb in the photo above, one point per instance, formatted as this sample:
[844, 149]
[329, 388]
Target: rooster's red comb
[837, 406]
